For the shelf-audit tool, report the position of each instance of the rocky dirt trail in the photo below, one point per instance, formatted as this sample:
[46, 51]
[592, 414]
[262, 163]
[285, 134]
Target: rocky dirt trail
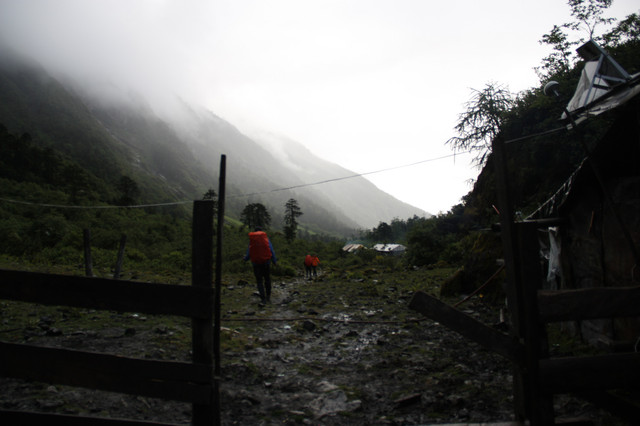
[359, 366]
[322, 353]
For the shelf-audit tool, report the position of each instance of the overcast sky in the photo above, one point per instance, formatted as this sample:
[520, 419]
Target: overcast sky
[367, 84]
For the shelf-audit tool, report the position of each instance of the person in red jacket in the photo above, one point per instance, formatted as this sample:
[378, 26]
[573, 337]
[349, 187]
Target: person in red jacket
[308, 261]
[315, 261]
[261, 254]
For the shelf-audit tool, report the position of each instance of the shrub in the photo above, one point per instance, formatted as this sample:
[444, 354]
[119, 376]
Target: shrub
[61, 256]
[174, 260]
[283, 269]
[135, 255]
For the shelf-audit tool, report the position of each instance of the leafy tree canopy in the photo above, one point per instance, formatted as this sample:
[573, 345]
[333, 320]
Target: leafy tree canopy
[481, 122]
[255, 215]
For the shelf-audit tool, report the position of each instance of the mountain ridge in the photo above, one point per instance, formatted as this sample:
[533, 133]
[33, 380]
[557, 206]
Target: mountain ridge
[178, 158]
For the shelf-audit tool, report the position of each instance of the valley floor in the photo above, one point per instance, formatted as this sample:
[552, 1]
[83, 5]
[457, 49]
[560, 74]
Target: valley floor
[333, 351]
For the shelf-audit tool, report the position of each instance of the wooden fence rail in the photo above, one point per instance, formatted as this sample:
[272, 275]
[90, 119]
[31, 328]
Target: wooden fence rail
[106, 294]
[180, 381]
[598, 372]
[157, 379]
[588, 303]
[467, 326]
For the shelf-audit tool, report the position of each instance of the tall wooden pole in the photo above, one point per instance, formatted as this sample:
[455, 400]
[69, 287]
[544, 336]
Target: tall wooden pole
[216, 301]
[202, 276]
[521, 259]
[514, 291]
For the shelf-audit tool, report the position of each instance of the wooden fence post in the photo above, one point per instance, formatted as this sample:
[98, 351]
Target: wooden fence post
[88, 266]
[534, 335]
[519, 243]
[216, 298]
[513, 290]
[202, 276]
[123, 242]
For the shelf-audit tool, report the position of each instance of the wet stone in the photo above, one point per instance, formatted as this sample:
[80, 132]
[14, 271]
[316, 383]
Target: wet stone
[309, 325]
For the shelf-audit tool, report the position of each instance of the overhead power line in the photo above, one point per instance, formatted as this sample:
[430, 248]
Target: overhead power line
[535, 135]
[349, 177]
[62, 206]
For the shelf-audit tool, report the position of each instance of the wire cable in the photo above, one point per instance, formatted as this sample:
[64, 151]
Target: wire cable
[535, 135]
[303, 185]
[495, 274]
[237, 195]
[62, 206]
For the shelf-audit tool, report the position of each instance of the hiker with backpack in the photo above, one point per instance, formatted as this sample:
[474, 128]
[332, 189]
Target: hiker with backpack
[261, 254]
[308, 260]
[315, 261]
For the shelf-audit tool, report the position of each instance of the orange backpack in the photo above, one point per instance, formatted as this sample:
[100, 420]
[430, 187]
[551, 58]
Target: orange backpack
[259, 250]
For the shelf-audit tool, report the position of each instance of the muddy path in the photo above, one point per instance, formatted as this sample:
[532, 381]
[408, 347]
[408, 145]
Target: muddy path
[361, 364]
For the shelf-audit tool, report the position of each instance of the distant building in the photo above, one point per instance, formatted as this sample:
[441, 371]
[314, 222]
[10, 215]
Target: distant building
[393, 249]
[352, 248]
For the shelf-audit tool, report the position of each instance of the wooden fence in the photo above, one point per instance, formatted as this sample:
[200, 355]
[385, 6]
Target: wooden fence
[591, 377]
[195, 382]
[537, 376]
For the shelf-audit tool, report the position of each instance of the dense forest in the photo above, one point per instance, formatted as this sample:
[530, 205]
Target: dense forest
[61, 196]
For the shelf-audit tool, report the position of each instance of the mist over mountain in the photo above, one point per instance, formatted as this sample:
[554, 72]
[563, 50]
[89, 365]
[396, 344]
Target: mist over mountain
[172, 150]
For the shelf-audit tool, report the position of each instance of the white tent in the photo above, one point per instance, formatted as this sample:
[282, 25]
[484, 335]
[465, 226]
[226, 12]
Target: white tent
[390, 248]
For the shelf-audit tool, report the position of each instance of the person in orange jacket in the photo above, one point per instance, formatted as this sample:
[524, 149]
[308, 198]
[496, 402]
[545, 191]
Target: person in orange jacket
[315, 261]
[307, 266]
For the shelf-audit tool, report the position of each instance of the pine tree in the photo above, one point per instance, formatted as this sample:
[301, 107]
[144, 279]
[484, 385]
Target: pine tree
[291, 213]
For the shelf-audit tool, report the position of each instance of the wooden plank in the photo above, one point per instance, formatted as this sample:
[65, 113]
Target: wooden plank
[452, 318]
[588, 303]
[572, 374]
[27, 418]
[108, 294]
[159, 379]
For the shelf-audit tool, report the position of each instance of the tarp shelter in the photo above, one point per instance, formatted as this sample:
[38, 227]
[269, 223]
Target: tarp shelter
[601, 74]
[603, 85]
